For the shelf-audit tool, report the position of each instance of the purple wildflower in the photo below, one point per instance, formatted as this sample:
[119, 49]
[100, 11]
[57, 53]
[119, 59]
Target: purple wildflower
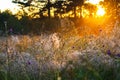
[108, 52]
[118, 55]
[29, 62]
[11, 30]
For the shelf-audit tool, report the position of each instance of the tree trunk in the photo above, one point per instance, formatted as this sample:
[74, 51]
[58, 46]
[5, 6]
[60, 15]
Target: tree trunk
[74, 12]
[80, 11]
[49, 16]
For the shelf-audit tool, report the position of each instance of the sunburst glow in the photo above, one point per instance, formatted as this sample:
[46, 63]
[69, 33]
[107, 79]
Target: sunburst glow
[100, 11]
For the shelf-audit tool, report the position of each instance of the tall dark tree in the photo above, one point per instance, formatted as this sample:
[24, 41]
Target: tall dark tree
[48, 7]
[74, 4]
[69, 5]
[60, 7]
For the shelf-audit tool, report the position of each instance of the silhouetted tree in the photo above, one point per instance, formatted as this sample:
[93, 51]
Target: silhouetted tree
[76, 3]
[67, 6]
[60, 7]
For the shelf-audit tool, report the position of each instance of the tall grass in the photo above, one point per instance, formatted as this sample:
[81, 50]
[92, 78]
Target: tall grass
[62, 56]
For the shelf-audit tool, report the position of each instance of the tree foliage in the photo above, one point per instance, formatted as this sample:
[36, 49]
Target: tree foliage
[59, 6]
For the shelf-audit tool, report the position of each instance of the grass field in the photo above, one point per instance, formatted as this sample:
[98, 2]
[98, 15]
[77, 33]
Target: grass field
[78, 54]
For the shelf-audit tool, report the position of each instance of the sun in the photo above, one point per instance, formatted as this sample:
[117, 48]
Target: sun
[100, 11]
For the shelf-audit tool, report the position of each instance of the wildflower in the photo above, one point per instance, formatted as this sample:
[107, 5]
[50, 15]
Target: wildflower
[11, 30]
[118, 55]
[29, 62]
[108, 52]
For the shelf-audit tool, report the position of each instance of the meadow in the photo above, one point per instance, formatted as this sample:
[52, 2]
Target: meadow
[87, 52]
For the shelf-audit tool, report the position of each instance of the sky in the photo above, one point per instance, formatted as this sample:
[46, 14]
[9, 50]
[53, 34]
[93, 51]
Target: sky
[7, 4]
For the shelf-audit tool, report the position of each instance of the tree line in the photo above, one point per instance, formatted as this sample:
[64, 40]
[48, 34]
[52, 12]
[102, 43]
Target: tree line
[45, 8]
[26, 25]
[61, 7]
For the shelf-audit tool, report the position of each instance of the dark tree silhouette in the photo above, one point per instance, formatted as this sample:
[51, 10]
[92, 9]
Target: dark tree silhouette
[77, 3]
[60, 7]
[47, 7]
[66, 6]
